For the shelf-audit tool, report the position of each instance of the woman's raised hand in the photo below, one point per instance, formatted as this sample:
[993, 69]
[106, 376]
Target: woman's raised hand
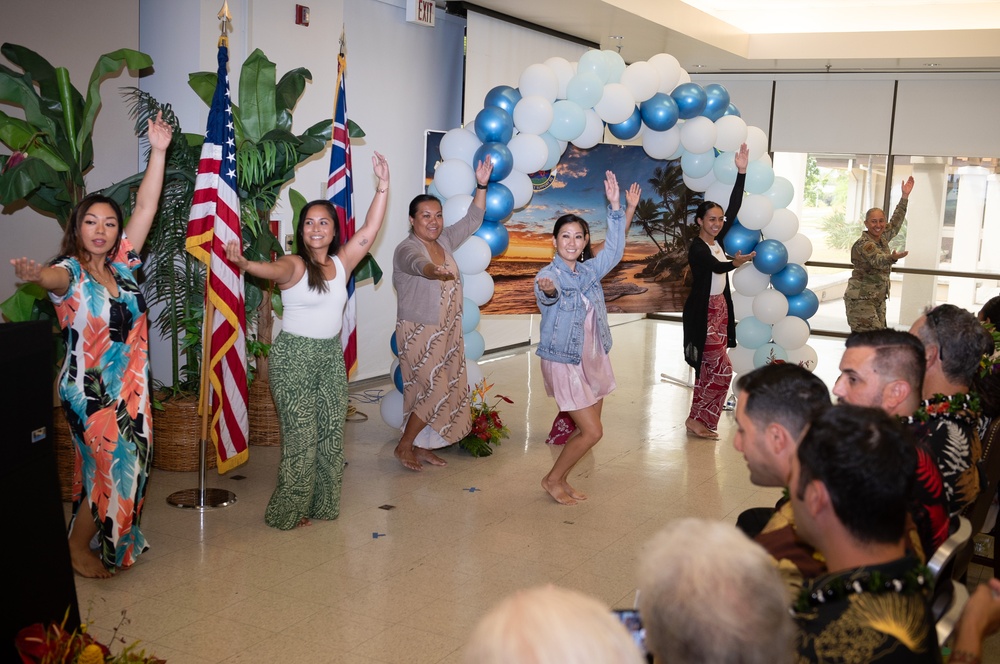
[742, 158]
[632, 195]
[27, 269]
[483, 171]
[234, 252]
[907, 186]
[159, 132]
[381, 168]
[611, 190]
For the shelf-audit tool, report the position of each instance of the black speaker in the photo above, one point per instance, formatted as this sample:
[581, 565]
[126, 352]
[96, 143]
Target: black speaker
[39, 583]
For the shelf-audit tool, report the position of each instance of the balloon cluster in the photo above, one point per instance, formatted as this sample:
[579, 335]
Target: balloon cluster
[526, 129]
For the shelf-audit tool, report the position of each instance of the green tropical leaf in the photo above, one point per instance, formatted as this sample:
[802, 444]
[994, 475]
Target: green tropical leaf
[257, 96]
[368, 269]
[20, 306]
[203, 83]
[290, 89]
[109, 63]
[25, 178]
[322, 129]
[298, 201]
[19, 135]
[353, 130]
[42, 73]
[17, 91]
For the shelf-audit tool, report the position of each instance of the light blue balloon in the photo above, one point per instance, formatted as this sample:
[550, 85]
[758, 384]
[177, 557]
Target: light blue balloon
[555, 151]
[760, 177]
[698, 164]
[772, 256]
[691, 100]
[475, 345]
[499, 202]
[740, 239]
[392, 344]
[804, 305]
[659, 112]
[584, 89]
[496, 236]
[503, 96]
[791, 280]
[768, 354]
[752, 333]
[780, 192]
[470, 315]
[493, 124]
[629, 128]
[503, 160]
[725, 168]
[594, 62]
[568, 120]
[717, 101]
[433, 191]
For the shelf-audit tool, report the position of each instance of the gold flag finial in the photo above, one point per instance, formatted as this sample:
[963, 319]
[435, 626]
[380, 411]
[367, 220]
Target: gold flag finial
[226, 19]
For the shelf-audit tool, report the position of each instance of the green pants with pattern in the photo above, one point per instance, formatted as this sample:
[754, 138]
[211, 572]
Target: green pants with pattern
[865, 315]
[309, 386]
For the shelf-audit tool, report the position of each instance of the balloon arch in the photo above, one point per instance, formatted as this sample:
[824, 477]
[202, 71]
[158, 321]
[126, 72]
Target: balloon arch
[557, 102]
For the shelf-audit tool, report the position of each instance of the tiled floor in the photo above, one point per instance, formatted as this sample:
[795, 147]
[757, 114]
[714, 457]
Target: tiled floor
[408, 584]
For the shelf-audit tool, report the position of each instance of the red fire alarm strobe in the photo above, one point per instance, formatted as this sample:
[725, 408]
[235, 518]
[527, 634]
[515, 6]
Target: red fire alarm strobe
[301, 15]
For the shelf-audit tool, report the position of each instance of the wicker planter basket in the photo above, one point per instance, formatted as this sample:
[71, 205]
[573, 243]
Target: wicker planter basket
[176, 432]
[62, 441]
[263, 415]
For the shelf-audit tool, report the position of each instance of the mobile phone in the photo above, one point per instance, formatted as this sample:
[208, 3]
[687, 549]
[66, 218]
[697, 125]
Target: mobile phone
[633, 623]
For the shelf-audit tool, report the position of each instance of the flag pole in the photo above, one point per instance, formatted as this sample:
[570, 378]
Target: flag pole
[204, 497]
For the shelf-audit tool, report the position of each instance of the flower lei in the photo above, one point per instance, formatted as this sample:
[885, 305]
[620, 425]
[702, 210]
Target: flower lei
[964, 405]
[917, 579]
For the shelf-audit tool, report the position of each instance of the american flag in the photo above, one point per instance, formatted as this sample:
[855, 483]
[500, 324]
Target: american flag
[340, 191]
[215, 220]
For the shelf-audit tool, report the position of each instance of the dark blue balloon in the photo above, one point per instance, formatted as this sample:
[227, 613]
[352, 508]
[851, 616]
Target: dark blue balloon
[659, 112]
[493, 124]
[804, 305]
[503, 96]
[392, 344]
[691, 100]
[503, 160]
[717, 101]
[397, 378]
[740, 239]
[629, 128]
[499, 202]
[772, 256]
[791, 280]
[496, 236]
[732, 110]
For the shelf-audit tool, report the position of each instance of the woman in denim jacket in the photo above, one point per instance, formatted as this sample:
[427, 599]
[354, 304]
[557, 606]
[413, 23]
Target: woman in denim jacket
[575, 337]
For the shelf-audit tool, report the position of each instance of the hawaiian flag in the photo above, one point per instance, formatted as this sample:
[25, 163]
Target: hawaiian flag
[340, 191]
[214, 221]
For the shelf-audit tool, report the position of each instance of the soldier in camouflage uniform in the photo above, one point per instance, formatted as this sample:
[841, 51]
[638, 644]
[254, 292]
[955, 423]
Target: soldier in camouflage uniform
[868, 287]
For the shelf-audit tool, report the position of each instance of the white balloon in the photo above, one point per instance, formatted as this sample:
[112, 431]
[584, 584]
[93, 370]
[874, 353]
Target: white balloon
[455, 208]
[564, 71]
[783, 226]
[593, 133]
[700, 184]
[533, 115]
[698, 134]
[799, 249]
[749, 281]
[805, 357]
[756, 212]
[478, 287]
[781, 192]
[391, 407]
[791, 333]
[474, 372]
[719, 193]
[616, 105]
[540, 80]
[756, 142]
[731, 133]
[473, 256]
[461, 144]
[642, 80]
[742, 305]
[770, 306]
[616, 66]
[684, 78]
[529, 152]
[725, 168]
[661, 144]
[741, 358]
[453, 177]
[520, 187]
[669, 71]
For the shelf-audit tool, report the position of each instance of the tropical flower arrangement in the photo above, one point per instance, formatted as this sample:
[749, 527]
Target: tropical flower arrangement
[487, 427]
[54, 644]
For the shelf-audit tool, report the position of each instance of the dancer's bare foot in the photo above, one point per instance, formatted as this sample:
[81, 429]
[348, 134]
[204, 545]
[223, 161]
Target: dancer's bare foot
[696, 428]
[303, 522]
[557, 491]
[407, 458]
[575, 493]
[428, 456]
[87, 564]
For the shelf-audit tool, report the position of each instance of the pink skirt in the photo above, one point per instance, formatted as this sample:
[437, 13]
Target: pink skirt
[579, 386]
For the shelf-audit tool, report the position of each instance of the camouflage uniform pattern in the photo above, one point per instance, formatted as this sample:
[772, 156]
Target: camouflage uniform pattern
[868, 287]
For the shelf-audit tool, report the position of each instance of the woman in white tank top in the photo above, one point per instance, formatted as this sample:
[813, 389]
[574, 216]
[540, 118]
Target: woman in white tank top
[308, 378]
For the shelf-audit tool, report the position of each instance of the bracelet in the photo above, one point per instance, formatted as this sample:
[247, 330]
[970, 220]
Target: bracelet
[958, 656]
[382, 191]
[481, 186]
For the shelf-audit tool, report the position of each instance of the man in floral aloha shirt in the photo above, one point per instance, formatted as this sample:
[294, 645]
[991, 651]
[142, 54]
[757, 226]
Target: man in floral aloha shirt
[948, 416]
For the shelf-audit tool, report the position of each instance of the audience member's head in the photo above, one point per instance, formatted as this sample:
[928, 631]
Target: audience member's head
[882, 369]
[550, 625]
[987, 381]
[990, 313]
[853, 477]
[774, 405]
[954, 343]
[709, 594]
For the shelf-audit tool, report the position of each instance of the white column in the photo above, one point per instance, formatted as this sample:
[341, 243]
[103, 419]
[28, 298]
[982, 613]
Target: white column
[968, 227]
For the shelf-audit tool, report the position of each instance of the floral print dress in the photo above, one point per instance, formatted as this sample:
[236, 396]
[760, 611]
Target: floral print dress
[104, 388]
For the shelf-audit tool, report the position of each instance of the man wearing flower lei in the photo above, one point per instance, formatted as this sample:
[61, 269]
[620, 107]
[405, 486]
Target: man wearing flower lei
[850, 483]
[948, 417]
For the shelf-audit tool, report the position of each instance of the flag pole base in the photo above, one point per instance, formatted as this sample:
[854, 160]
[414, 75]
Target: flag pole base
[198, 499]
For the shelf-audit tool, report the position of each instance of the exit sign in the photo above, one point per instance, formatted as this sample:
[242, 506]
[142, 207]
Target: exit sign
[420, 12]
